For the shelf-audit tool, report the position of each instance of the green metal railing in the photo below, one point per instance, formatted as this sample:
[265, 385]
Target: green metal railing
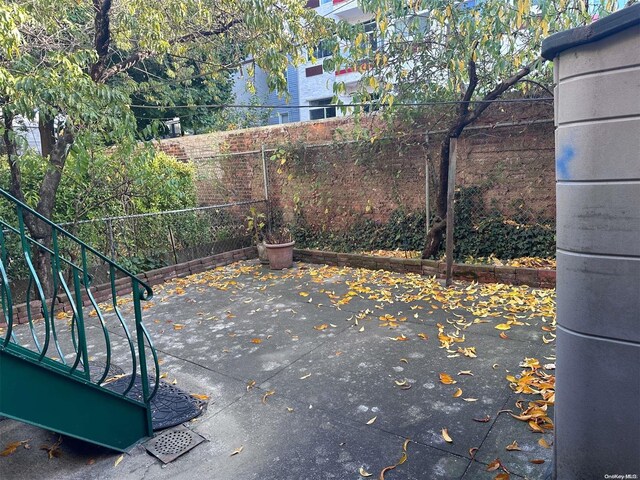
[68, 282]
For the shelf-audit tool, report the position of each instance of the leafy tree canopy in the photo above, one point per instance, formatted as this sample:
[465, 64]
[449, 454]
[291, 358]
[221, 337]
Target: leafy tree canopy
[64, 63]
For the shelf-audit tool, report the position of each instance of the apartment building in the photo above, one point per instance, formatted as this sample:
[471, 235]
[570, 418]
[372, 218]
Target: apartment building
[309, 85]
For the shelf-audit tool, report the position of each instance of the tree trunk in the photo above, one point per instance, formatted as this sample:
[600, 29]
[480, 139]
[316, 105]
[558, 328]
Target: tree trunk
[433, 240]
[465, 116]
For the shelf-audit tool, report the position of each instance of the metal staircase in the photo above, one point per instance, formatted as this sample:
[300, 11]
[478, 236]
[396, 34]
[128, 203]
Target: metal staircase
[50, 375]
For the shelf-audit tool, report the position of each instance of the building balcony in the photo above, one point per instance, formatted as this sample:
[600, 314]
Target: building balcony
[347, 10]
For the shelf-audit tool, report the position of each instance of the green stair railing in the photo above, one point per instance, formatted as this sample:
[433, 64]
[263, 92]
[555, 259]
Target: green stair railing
[69, 284]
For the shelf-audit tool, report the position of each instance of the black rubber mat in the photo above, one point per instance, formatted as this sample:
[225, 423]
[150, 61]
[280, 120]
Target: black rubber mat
[97, 370]
[171, 406]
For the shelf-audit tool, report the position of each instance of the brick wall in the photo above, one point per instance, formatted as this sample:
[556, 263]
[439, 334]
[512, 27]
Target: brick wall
[335, 180]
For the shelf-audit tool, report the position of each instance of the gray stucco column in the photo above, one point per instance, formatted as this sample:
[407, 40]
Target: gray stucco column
[597, 113]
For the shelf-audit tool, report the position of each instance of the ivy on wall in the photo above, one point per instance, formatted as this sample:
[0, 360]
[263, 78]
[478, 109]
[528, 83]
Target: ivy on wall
[479, 232]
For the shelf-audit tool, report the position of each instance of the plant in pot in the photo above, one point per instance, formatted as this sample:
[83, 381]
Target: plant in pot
[255, 227]
[279, 244]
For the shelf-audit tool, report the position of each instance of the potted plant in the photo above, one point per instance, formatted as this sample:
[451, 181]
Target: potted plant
[255, 227]
[279, 244]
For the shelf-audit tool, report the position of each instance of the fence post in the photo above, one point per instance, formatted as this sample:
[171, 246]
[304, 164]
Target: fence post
[112, 247]
[426, 194]
[173, 245]
[453, 145]
[265, 178]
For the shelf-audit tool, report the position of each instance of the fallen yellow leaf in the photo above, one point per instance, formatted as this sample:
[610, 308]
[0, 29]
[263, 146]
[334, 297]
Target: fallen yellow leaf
[266, 395]
[178, 326]
[370, 422]
[457, 393]
[445, 435]
[513, 447]
[363, 472]
[200, 396]
[305, 376]
[237, 450]
[12, 447]
[543, 443]
[118, 460]
[446, 379]
[256, 340]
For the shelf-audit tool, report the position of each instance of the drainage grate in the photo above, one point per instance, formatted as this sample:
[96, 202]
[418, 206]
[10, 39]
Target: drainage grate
[170, 444]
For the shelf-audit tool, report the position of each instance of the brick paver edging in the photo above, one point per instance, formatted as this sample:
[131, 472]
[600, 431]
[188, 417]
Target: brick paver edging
[102, 293]
[533, 277]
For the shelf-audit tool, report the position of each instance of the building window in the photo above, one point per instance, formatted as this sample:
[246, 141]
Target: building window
[283, 117]
[322, 50]
[323, 111]
[372, 36]
[313, 71]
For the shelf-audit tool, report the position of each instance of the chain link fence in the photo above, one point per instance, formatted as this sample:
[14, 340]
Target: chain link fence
[152, 240]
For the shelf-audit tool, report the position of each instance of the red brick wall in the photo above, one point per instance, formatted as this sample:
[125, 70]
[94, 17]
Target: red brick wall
[342, 180]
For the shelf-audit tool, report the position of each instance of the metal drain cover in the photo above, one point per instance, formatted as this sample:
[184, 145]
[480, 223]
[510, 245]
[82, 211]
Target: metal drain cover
[172, 443]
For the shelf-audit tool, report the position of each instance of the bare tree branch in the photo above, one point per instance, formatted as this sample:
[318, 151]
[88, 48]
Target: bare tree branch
[209, 33]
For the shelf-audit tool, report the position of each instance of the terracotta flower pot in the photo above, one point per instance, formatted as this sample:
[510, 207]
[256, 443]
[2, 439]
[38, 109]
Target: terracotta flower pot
[280, 255]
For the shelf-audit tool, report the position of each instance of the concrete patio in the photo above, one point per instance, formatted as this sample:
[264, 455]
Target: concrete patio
[317, 372]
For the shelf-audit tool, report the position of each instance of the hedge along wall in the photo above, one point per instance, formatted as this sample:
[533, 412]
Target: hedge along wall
[329, 175]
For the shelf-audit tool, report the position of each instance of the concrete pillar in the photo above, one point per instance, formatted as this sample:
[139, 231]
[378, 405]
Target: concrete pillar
[597, 101]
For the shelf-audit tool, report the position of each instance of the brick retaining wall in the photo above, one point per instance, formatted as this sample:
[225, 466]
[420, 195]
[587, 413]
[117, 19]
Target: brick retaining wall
[533, 277]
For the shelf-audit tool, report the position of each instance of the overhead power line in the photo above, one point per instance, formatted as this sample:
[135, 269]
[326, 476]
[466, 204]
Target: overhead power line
[338, 105]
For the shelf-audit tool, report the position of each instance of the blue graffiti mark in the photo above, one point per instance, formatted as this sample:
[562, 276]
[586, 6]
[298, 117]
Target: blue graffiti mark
[564, 159]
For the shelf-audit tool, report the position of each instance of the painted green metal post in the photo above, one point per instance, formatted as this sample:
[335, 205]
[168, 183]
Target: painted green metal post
[140, 334]
[82, 339]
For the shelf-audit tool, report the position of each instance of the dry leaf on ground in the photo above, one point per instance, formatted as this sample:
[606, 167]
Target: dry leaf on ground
[446, 379]
[237, 450]
[364, 473]
[267, 395]
[12, 447]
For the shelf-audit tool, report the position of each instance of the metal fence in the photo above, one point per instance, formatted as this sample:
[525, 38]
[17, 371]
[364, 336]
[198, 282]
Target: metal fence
[151, 240]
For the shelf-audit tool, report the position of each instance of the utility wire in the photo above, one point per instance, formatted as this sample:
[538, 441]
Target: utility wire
[338, 105]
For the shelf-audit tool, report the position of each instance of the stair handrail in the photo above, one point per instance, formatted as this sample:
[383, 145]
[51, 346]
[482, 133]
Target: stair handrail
[146, 295]
[141, 292]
